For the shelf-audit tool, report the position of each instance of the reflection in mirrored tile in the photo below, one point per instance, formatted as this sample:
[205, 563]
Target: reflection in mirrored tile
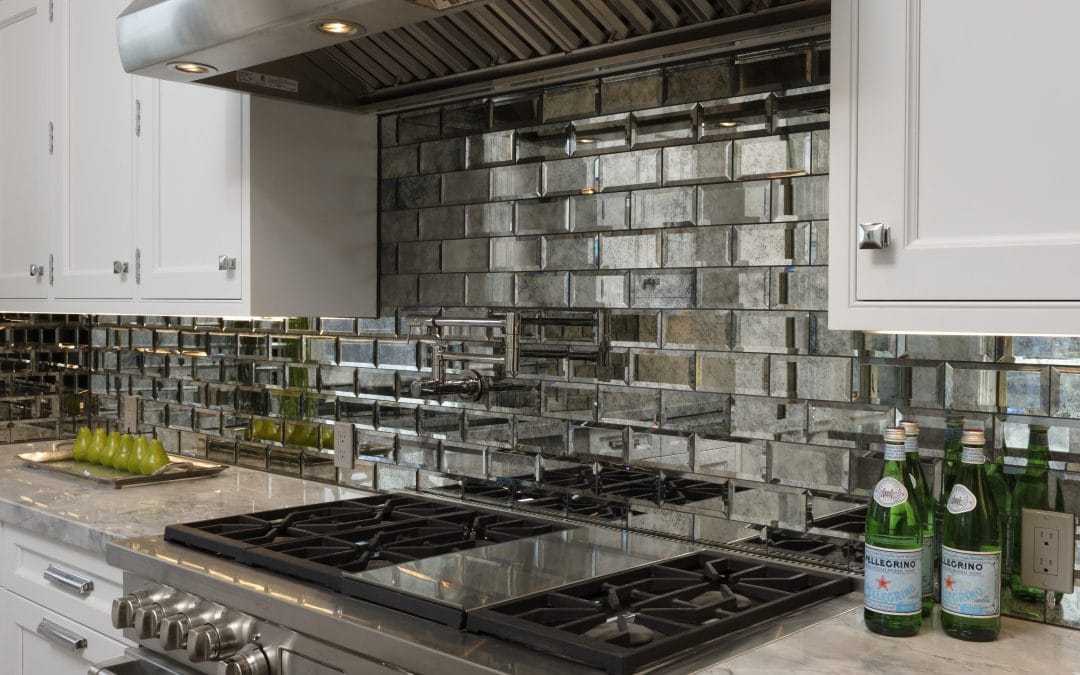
[777, 332]
[699, 81]
[825, 378]
[696, 246]
[666, 207]
[733, 372]
[920, 386]
[770, 418]
[698, 163]
[633, 329]
[601, 211]
[769, 506]
[696, 329]
[569, 401]
[661, 289]
[799, 288]
[601, 134]
[771, 244]
[663, 450]
[515, 182]
[629, 251]
[725, 203]
[805, 198]
[1065, 392]
[489, 219]
[1020, 391]
[694, 411]
[442, 156]
[772, 156]
[624, 170]
[733, 288]
[946, 347]
[662, 127]
[667, 367]
[1040, 349]
[542, 216]
[632, 91]
[547, 142]
[629, 404]
[490, 149]
[576, 100]
[598, 289]
[570, 176]
[489, 290]
[459, 459]
[568, 253]
[734, 459]
[599, 442]
[809, 466]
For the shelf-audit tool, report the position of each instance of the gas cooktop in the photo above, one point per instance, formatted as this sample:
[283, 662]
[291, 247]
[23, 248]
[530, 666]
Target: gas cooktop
[635, 484]
[557, 503]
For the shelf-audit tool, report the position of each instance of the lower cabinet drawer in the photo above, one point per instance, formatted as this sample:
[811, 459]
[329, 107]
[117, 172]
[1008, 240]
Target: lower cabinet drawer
[38, 641]
[66, 579]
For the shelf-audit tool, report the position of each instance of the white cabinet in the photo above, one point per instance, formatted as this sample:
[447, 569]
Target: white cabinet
[948, 127]
[24, 150]
[94, 159]
[137, 196]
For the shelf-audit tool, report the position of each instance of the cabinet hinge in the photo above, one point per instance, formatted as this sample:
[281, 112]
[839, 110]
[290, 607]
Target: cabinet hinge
[50, 269]
[138, 267]
[138, 118]
[50, 138]
[50, 11]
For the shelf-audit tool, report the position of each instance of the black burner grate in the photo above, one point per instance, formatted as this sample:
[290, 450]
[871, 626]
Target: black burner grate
[628, 620]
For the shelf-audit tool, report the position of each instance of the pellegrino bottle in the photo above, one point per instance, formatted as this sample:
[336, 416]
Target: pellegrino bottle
[971, 550]
[925, 503]
[999, 487]
[954, 426]
[892, 587]
[1031, 492]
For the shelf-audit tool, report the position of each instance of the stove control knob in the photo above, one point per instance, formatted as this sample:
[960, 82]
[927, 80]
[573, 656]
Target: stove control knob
[212, 642]
[148, 618]
[175, 628]
[250, 660]
[124, 608]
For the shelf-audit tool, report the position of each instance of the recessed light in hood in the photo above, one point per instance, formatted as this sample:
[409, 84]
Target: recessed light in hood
[191, 68]
[337, 27]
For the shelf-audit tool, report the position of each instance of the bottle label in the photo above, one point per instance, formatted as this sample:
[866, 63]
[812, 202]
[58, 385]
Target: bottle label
[961, 500]
[911, 444]
[890, 492]
[970, 582]
[892, 580]
[973, 456]
[953, 433]
[928, 566]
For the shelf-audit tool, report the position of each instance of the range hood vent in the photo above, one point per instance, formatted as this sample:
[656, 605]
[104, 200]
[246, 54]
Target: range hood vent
[399, 51]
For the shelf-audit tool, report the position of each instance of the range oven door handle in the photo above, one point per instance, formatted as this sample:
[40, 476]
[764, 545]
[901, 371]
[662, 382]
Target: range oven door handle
[138, 661]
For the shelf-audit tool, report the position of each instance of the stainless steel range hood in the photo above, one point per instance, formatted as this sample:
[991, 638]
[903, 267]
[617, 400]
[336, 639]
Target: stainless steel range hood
[393, 52]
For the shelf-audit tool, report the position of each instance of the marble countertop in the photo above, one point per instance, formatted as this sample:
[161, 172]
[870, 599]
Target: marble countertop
[90, 516]
[842, 644]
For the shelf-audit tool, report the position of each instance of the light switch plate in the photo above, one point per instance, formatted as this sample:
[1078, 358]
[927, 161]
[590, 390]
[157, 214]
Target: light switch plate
[344, 445]
[1047, 549]
[129, 414]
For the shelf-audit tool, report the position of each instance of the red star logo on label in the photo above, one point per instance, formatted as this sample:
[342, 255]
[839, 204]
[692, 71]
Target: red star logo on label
[883, 583]
[949, 583]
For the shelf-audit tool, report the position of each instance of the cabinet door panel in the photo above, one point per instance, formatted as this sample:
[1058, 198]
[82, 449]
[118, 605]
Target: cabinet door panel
[24, 124]
[29, 653]
[191, 191]
[96, 145]
[963, 147]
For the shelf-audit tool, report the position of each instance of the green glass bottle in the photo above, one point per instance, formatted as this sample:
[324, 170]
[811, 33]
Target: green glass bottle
[954, 427]
[999, 487]
[892, 574]
[1031, 492]
[925, 502]
[971, 550]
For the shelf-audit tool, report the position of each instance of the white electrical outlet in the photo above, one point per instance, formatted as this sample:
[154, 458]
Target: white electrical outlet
[344, 445]
[1047, 548]
[129, 414]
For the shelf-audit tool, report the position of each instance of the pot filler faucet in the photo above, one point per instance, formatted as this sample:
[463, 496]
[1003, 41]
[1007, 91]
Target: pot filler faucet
[501, 348]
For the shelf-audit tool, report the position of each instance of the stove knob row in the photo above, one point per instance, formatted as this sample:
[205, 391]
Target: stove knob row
[148, 618]
[218, 640]
[125, 607]
[175, 628]
[248, 660]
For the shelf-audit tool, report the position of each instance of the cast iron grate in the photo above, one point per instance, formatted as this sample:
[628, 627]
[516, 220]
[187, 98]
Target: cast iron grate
[625, 621]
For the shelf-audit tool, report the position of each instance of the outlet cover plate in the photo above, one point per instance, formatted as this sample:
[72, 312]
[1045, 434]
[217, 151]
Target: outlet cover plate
[344, 445]
[129, 414]
[1034, 525]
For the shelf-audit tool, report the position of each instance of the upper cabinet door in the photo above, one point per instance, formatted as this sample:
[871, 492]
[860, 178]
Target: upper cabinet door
[95, 142]
[950, 125]
[192, 191]
[24, 150]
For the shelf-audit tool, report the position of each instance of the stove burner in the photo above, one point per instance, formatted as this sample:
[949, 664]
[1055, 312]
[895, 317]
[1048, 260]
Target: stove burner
[635, 618]
[635, 484]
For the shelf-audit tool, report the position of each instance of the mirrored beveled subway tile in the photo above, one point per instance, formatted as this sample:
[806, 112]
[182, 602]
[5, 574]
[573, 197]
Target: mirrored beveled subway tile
[424, 125]
[729, 458]
[418, 452]
[541, 289]
[569, 400]
[489, 219]
[820, 153]
[542, 216]
[799, 288]
[699, 81]
[772, 69]
[661, 450]
[732, 203]
[252, 455]
[697, 329]
[635, 169]
[397, 226]
[441, 423]
[668, 368]
[698, 163]
[695, 411]
[420, 257]
[337, 380]
[776, 332]
[814, 377]
[442, 290]
[847, 424]
[541, 434]
[510, 464]
[805, 198]
[1017, 390]
[442, 156]
[629, 405]
[732, 372]
[464, 118]
[660, 520]
[489, 290]
[733, 288]
[419, 191]
[810, 466]
[1040, 349]
[599, 289]
[769, 505]
[524, 402]
[570, 176]
[515, 181]
[396, 417]
[771, 244]
[946, 347]
[490, 149]
[612, 367]
[570, 252]
[600, 211]
[603, 442]
[361, 476]
[514, 111]
[918, 385]
[388, 259]
[696, 247]
[768, 418]
[465, 255]
[629, 251]
[399, 161]
[1065, 392]
[547, 142]
[632, 91]
[664, 207]
[674, 290]
[388, 199]
[600, 135]
[632, 329]
[772, 156]
[357, 352]
[665, 126]
[489, 428]
[376, 383]
[463, 187]
[515, 254]
[443, 222]
[568, 102]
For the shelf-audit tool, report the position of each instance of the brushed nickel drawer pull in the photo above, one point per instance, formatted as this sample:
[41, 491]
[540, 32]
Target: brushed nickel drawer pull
[69, 580]
[61, 636]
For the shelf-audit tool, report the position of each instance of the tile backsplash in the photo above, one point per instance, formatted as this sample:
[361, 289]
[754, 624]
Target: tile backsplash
[663, 236]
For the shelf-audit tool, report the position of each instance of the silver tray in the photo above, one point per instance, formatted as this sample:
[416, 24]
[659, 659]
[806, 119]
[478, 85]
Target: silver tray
[59, 460]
